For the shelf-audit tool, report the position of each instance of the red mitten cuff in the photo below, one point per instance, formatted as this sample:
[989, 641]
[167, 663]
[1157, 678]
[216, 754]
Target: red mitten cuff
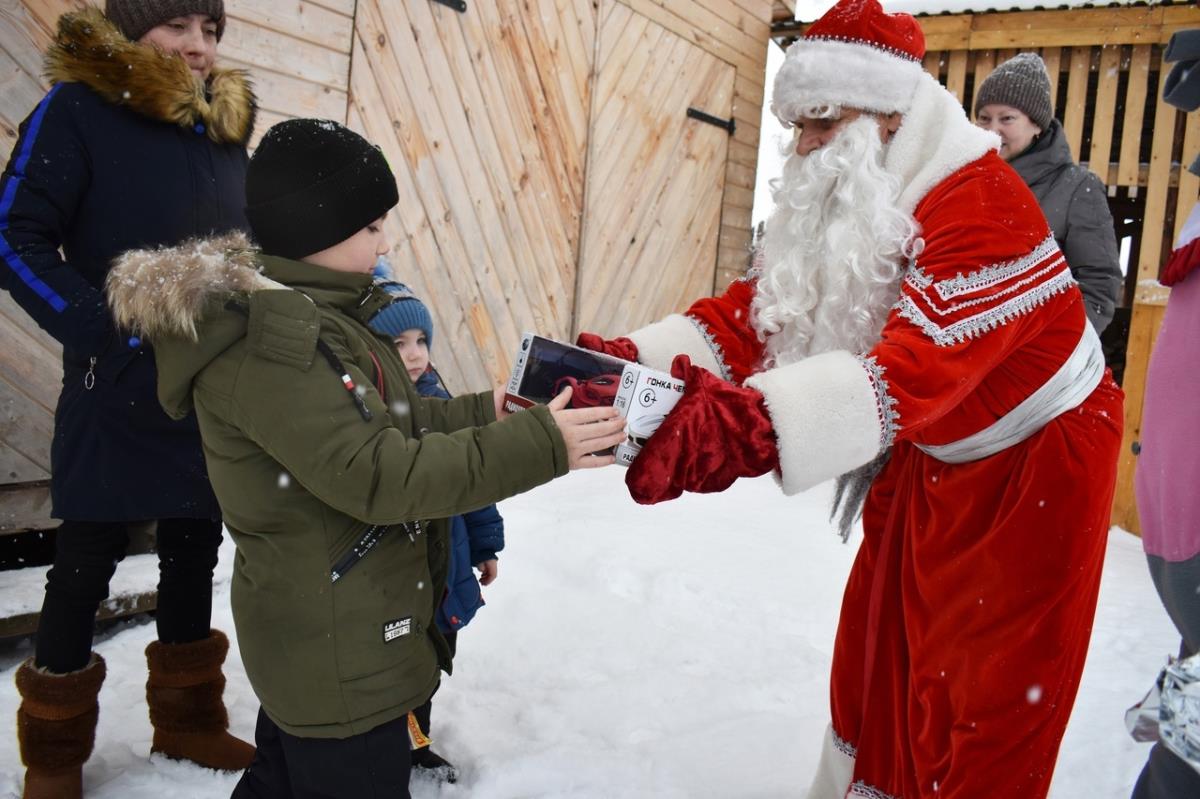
[622, 347]
[716, 433]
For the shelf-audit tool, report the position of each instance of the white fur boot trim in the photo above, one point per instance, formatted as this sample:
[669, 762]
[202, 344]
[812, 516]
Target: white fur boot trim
[834, 770]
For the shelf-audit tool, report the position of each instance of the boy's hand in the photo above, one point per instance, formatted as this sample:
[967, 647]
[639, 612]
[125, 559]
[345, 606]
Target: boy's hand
[587, 430]
[488, 571]
[498, 399]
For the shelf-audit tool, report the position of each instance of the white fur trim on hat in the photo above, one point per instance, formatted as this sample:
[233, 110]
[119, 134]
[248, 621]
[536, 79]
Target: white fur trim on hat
[826, 72]
[825, 413]
[659, 343]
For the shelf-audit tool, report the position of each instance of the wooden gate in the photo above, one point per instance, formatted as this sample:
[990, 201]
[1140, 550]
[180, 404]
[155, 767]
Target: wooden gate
[655, 175]
[484, 119]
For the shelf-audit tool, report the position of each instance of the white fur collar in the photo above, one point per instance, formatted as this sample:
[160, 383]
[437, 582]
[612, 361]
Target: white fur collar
[934, 141]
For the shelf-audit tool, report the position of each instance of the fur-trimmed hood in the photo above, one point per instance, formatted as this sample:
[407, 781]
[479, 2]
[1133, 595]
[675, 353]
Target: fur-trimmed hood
[89, 49]
[934, 141]
[165, 292]
[196, 300]
[176, 298]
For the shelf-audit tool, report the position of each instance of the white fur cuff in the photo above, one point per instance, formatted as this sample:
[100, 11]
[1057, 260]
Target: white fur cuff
[826, 417]
[659, 343]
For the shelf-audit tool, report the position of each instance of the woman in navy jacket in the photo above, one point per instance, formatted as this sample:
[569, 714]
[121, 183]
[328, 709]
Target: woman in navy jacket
[140, 142]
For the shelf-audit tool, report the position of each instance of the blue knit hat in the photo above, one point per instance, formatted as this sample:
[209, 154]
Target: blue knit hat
[404, 312]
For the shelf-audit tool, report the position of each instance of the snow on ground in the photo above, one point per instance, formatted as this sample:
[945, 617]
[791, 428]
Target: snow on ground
[674, 651]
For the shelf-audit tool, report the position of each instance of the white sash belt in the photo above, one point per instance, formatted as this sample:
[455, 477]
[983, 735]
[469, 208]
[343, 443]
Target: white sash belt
[1066, 389]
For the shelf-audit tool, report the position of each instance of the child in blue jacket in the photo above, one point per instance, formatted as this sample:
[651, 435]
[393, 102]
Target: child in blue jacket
[475, 537]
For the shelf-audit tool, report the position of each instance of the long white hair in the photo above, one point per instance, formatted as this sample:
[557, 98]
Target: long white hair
[833, 251]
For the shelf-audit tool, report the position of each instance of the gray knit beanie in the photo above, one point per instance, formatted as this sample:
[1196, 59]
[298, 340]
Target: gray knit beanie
[135, 17]
[1023, 83]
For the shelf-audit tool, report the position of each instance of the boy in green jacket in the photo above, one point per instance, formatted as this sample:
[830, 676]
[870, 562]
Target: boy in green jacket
[335, 477]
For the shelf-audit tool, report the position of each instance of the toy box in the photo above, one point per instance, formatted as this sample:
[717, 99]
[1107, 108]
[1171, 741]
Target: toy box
[544, 367]
[645, 398]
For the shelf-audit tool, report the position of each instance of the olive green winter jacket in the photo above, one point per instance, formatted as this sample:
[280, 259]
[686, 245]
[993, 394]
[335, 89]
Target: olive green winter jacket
[303, 463]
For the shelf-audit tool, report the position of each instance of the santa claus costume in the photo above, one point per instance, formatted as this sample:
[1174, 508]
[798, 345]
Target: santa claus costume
[979, 396]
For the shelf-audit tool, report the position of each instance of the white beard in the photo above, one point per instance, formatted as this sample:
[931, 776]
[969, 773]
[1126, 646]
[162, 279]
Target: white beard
[834, 250]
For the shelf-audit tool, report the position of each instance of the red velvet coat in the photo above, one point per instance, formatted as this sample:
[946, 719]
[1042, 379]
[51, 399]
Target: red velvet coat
[967, 614]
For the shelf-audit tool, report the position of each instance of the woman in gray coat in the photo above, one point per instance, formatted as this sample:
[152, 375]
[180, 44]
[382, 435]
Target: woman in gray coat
[1014, 101]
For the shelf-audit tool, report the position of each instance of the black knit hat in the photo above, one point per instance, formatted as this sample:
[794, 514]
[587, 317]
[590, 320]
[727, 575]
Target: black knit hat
[134, 17]
[313, 183]
[1023, 83]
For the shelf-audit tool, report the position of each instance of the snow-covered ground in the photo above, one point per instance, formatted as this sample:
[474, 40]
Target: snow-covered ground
[674, 651]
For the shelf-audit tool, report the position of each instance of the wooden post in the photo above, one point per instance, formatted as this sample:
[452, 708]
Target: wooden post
[1148, 308]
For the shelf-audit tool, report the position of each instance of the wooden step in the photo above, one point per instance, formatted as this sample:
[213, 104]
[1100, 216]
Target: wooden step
[133, 591]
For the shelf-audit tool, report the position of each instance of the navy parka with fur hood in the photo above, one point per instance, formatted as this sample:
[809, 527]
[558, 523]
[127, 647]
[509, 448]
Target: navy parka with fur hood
[474, 537]
[125, 151]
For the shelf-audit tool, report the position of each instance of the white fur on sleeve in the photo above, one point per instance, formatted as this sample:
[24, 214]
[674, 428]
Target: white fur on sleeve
[826, 417]
[659, 343]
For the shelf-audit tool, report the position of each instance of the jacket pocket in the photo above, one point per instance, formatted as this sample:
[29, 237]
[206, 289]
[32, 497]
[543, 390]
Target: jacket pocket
[382, 609]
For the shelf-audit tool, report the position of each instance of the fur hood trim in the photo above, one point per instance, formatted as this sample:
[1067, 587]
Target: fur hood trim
[934, 141]
[166, 291]
[89, 49]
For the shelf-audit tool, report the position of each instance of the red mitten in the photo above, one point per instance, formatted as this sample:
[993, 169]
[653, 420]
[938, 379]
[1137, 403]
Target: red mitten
[716, 433]
[622, 347]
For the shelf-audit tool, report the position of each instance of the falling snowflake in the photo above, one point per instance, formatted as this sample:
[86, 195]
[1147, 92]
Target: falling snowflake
[284, 480]
[1034, 694]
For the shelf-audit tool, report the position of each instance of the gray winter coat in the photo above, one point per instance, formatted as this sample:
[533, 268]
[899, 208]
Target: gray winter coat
[1076, 206]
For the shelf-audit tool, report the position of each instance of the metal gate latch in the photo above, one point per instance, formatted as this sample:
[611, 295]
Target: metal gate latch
[728, 124]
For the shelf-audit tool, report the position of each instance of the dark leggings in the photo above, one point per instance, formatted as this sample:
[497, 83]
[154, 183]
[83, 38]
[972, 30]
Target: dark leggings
[85, 557]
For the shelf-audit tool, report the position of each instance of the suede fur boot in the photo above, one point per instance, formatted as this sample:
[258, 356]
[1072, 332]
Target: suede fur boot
[184, 693]
[56, 727]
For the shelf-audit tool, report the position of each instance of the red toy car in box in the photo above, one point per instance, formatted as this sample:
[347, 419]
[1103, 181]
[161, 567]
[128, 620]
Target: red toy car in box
[591, 392]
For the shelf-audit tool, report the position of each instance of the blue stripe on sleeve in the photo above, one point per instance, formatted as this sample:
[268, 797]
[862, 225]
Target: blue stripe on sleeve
[9, 255]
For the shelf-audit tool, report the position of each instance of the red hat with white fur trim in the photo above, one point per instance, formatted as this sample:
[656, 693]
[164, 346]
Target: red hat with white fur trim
[855, 56]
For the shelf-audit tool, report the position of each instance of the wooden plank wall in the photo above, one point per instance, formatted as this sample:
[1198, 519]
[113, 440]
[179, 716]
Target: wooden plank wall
[484, 119]
[1120, 51]
[487, 118]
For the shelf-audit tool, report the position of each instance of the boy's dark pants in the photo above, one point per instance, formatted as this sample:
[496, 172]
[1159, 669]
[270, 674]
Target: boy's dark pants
[373, 765]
